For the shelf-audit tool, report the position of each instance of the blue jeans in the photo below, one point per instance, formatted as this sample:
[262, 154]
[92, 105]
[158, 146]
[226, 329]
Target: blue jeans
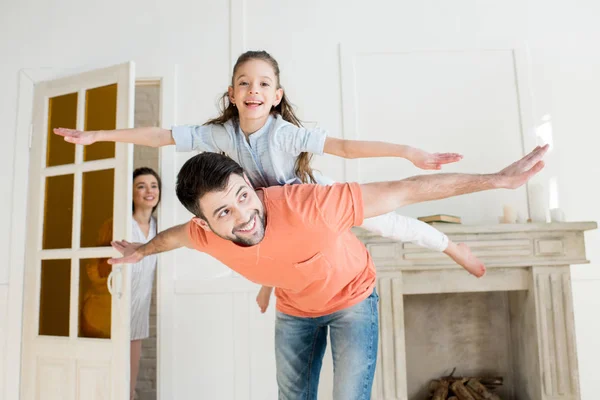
[300, 345]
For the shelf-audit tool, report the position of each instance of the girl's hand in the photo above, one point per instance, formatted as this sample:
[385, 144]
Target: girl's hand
[424, 160]
[263, 297]
[75, 136]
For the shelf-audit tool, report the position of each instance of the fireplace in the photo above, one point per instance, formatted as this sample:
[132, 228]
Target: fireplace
[516, 322]
[466, 332]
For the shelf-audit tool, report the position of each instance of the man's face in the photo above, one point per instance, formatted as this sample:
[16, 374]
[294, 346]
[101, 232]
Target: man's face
[235, 213]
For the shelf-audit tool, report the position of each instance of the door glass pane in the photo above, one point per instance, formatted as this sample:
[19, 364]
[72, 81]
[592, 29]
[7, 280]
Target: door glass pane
[55, 296]
[94, 298]
[97, 208]
[100, 114]
[62, 113]
[58, 212]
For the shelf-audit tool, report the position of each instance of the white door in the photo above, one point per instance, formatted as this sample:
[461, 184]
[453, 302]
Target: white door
[75, 334]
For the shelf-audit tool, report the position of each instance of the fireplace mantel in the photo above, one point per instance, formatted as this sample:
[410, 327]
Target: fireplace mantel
[503, 245]
[530, 262]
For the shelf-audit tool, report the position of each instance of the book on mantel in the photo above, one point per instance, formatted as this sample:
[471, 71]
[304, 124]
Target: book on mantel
[449, 219]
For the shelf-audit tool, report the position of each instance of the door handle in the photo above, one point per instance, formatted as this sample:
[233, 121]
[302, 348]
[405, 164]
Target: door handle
[117, 275]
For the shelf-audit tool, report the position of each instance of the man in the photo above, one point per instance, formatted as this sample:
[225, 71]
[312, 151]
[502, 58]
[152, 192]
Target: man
[297, 238]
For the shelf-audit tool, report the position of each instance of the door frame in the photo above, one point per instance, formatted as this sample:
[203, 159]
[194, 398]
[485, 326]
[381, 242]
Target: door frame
[166, 76]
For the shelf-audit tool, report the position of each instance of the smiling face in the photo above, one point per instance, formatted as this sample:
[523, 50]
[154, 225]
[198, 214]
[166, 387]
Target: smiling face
[255, 90]
[146, 192]
[234, 213]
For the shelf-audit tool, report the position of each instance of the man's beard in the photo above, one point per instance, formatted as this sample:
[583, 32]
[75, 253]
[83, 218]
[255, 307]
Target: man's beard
[258, 235]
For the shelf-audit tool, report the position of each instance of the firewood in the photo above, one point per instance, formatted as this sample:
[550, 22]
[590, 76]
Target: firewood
[461, 391]
[475, 395]
[487, 381]
[492, 381]
[442, 390]
[481, 390]
[433, 385]
[453, 398]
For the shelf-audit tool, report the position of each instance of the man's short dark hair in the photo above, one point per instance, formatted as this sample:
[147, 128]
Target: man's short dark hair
[201, 174]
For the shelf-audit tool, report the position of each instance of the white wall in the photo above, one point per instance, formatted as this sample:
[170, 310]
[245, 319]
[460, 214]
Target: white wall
[566, 84]
[305, 38]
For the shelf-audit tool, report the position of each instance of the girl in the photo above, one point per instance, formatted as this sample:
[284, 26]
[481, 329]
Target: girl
[259, 130]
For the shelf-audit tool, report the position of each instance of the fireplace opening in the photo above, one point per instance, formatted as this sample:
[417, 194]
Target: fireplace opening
[473, 334]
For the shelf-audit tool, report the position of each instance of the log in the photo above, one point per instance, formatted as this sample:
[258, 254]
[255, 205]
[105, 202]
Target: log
[461, 391]
[492, 381]
[478, 388]
[442, 390]
[475, 395]
[453, 398]
[433, 385]
[481, 390]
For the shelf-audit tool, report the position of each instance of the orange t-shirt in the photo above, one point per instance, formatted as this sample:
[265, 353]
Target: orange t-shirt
[317, 265]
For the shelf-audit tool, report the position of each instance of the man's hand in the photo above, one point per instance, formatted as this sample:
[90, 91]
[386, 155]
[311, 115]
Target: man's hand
[75, 136]
[424, 160]
[167, 240]
[519, 172]
[131, 254]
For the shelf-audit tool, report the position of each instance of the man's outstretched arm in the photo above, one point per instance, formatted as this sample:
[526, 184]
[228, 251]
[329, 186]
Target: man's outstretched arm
[169, 239]
[382, 197]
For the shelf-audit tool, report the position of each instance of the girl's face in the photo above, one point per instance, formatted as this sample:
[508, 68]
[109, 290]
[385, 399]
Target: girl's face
[255, 90]
[145, 191]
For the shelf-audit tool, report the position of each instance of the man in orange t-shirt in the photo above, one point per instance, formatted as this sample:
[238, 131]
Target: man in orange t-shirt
[297, 239]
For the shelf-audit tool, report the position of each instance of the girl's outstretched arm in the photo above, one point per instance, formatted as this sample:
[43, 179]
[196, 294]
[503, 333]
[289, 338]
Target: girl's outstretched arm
[364, 148]
[151, 136]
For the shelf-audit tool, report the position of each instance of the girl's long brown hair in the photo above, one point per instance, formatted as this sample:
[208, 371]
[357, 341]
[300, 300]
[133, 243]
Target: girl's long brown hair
[284, 108]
